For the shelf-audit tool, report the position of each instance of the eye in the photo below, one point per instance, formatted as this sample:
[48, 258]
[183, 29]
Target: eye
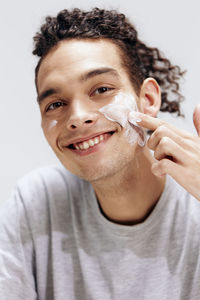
[101, 90]
[55, 105]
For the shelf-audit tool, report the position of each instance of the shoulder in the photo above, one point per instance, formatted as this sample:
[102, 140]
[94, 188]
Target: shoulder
[52, 181]
[51, 177]
[180, 197]
[183, 206]
[48, 183]
[43, 192]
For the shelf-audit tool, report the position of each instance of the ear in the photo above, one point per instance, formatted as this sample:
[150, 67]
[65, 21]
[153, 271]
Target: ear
[150, 97]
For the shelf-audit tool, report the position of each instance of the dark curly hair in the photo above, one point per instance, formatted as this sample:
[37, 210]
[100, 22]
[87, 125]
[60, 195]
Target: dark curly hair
[139, 60]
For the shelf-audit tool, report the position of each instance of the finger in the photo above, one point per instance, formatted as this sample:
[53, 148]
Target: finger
[196, 118]
[168, 148]
[164, 131]
[153, 123]
[145, 120]
[166, 166]
[185, 177]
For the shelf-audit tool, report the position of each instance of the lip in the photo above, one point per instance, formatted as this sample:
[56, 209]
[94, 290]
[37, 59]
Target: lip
[85, 138]
[94, 148]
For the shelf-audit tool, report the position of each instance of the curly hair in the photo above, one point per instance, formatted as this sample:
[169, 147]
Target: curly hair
[139, 60]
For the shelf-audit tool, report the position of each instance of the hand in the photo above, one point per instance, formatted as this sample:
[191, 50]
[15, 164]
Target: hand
[177, 151]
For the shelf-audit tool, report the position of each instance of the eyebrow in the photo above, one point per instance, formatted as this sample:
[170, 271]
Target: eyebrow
[99, 71]
[46, 94]
[84, 77]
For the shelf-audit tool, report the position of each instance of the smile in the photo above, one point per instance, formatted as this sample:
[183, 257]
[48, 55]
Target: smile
[90, 144]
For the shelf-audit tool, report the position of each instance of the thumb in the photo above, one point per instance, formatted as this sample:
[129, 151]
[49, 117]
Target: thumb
[196, 118]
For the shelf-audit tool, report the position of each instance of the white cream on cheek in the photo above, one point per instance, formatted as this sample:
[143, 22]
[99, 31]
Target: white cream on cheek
[118, 111]
[49, 130]
[48, 127]
[52, 124]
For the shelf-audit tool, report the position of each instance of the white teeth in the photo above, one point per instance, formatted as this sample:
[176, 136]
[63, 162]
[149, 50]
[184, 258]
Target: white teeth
[91, 143]
[101, 137]
[85, 145]
[96, 140]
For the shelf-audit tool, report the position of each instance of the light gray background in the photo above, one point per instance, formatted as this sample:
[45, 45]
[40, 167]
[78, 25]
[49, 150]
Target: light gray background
[171, 25]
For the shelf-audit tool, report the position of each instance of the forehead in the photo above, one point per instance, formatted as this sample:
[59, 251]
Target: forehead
[70, 58]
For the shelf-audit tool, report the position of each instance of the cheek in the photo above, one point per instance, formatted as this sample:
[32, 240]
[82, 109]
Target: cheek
[118, 111]
[50, 130]
[52, 124]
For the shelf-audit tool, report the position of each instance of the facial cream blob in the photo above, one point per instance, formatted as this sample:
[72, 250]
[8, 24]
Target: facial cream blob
[118, 111]
[52, 124]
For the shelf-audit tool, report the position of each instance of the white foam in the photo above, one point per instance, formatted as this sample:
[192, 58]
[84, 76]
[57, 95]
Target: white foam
[118, 111]
[52, 124]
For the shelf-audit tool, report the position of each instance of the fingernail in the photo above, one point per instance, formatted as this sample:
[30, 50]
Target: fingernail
[134, 121]
[138, 120]
[134, 114]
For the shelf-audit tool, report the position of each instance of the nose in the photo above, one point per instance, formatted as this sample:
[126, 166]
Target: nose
[81, 117]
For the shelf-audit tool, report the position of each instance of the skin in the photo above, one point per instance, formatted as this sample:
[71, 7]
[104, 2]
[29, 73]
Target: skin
[177, 152]
[71, 111]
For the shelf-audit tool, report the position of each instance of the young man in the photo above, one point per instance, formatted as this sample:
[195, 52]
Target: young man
[109, 224]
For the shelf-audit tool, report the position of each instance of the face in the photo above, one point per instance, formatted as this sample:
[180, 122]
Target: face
[75, 80]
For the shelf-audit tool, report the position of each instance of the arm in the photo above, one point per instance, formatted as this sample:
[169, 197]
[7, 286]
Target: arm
[16, 252]
[177, 152]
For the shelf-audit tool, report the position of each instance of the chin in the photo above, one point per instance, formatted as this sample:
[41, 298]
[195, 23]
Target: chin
[92, 174]
[101, 171]
[105, 167]
[97, 175]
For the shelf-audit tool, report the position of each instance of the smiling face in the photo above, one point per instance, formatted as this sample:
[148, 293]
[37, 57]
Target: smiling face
[76, 79]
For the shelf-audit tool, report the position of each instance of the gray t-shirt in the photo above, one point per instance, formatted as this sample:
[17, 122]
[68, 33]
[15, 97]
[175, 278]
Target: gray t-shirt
[56, 244]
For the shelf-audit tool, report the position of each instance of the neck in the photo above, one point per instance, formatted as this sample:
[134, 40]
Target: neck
[129, 196]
